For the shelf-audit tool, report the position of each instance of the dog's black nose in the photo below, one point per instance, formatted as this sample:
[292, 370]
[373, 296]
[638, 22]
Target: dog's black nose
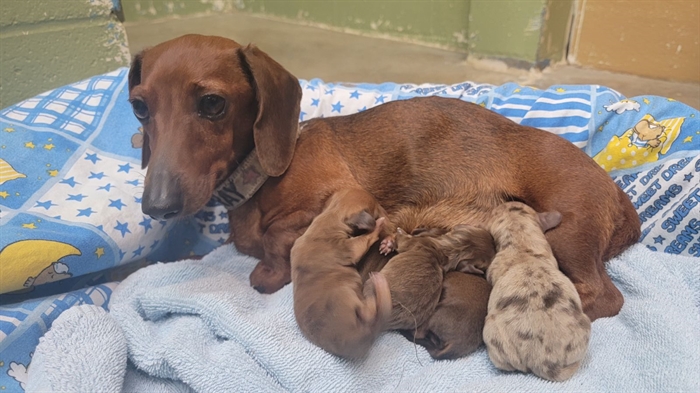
[160, 214]
[162, 198]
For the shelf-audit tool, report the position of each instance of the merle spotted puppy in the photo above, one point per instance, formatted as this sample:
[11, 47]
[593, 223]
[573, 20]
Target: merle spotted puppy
[535, 320]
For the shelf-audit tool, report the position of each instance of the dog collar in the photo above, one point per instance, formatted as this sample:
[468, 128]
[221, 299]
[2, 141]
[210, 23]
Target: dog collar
[245, 181]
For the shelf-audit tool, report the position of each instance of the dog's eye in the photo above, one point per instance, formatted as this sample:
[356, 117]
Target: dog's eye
[140, 109]
[212, 106]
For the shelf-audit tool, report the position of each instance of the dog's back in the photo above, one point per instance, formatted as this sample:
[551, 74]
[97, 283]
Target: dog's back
[423, 190]
[535, 320]
[327, 283]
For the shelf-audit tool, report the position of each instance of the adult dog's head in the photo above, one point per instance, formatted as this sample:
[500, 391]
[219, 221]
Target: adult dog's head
[205, 102]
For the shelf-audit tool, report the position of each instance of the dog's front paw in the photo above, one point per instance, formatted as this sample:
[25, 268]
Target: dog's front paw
[265, 279]
[388, 245]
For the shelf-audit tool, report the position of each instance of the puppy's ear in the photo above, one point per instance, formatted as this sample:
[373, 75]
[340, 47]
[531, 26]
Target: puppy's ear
[470, 268]
[361, 223]
[279, 95]
[549, 220]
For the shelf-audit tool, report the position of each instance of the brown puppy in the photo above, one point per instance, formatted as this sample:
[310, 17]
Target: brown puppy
[535, 321]
[455, 329]
[329, 304]
[207, 103]
[415, 274]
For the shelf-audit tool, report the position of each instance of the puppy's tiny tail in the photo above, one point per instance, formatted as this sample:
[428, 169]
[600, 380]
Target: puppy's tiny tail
[383, 299]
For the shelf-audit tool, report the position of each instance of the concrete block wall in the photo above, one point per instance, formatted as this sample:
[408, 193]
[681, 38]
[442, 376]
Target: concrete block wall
[45, 44]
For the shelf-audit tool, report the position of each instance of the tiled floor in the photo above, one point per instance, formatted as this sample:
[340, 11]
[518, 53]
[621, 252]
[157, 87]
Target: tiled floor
[310, 52]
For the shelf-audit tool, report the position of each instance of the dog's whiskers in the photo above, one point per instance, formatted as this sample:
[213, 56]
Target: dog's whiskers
[415, 324]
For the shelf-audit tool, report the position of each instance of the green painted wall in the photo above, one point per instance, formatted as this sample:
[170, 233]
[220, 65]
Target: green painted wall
[521, 32]
[440, 22]
[138, 10]
[508, 30]
[557, 20]
[45, 44]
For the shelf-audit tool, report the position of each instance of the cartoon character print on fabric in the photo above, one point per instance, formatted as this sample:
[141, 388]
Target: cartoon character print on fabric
[645, 142]
[622, 106]
[18, 372]
[28, 263]
[137, 139]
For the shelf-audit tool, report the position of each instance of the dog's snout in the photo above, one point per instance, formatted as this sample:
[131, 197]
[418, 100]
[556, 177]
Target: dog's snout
[162, 214]
[163, 197]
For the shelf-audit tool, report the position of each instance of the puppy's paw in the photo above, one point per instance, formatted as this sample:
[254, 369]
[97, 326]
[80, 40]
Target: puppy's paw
[388, 245]
[265, 279]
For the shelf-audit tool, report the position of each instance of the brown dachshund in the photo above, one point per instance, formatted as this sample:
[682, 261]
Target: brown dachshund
[207, 103]
[329, 304]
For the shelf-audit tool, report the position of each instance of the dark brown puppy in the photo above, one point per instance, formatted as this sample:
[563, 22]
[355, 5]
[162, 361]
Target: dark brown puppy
[206, 103]
[329, 304]
[456, 328]
[415, 274]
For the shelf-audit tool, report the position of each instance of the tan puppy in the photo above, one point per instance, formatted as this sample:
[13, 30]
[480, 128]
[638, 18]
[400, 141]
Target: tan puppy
[416, 274]
[329, 304]
[535, 320]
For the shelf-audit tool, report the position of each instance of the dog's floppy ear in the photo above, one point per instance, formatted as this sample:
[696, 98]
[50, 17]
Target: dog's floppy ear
[361, 223]
[549, 220]
[279, 94]
[134, 80]
[135, 70]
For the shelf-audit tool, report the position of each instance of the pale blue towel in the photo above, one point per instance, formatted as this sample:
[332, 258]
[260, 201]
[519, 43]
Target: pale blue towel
[198, 324]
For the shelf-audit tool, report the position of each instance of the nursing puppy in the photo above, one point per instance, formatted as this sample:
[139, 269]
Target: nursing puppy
[415, 274]
[456, 328]
[535, 320]
[329, 304]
